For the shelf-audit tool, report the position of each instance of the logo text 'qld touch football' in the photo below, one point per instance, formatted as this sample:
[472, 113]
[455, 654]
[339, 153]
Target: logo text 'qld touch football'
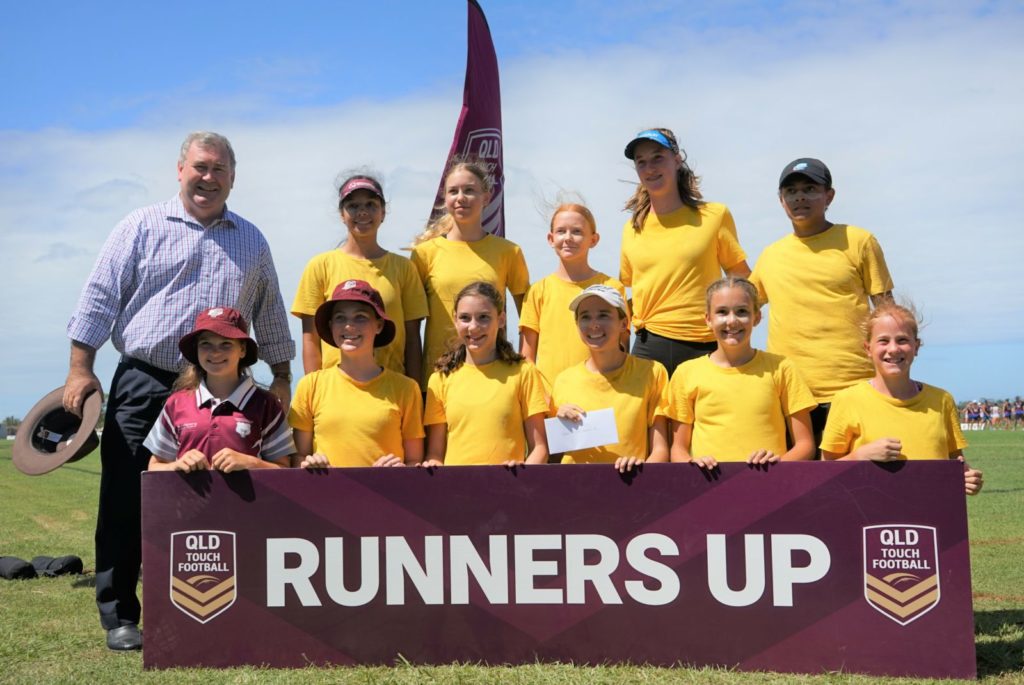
[901, 570]
[203, 572]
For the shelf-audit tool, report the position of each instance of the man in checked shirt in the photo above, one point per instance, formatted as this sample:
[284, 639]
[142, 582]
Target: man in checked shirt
[160, 267]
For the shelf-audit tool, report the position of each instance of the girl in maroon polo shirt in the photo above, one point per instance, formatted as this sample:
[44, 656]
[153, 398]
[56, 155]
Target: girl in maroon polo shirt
[217, 418]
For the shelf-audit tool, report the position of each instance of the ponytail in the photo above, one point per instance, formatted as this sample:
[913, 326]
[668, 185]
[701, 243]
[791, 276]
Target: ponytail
[189, 378]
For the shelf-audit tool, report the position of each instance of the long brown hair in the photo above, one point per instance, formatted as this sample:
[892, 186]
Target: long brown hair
[455, 357]
[687, 183]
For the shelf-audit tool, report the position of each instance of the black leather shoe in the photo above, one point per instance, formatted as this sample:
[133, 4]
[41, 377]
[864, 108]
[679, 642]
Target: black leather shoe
[126, 637]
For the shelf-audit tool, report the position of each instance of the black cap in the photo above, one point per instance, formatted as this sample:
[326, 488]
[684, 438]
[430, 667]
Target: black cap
[813, 169]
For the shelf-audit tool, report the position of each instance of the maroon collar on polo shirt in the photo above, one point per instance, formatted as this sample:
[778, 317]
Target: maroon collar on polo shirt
[237, 399]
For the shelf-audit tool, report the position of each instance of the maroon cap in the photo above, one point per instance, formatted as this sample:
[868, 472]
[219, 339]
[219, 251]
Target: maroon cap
[354, 291]
[353, 184]
[225, 322]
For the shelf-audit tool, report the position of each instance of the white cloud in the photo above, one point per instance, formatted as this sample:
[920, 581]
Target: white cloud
[917, 115]
[58, 251]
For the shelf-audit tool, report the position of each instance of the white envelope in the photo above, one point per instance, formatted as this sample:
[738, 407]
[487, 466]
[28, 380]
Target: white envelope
[597, 429]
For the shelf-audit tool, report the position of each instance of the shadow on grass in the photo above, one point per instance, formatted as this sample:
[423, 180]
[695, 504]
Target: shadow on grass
[999, 636]
[90, 471]
[84, 580]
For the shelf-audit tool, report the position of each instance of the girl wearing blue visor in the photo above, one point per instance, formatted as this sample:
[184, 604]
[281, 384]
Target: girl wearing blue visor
[673, 247]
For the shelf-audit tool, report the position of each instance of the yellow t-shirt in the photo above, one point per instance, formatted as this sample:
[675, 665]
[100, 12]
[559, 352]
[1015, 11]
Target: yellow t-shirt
[546, 310]
[635, 391]
[738, 410]
[927, 425]
[819, 290]
[447, 266]
[354, 423]
[670, 264]
[393, 275]
[484, 407]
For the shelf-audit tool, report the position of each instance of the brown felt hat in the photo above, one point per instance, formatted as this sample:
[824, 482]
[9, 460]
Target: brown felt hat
[50, 435]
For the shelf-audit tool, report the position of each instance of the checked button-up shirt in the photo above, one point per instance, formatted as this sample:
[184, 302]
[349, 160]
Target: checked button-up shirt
[160, 267]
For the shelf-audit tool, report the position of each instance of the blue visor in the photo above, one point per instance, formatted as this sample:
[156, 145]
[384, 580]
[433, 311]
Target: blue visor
[650, 134]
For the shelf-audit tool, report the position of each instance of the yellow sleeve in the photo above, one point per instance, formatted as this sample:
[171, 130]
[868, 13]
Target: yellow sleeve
[873, 271]
[657, 404]
[533, 398]
[755, 278]
[411, 403]
[434, 411]
[796, 396]
[557, 391]
[420, 260]
[518, 274]
[729, 251]
[954, 436]
[680, 406]
[300, 414]
[625, 268]
[310, 293]
[530, 316]
[841, 429]
[414, 299]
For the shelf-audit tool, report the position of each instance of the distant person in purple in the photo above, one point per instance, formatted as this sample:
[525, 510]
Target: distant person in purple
[159, 268]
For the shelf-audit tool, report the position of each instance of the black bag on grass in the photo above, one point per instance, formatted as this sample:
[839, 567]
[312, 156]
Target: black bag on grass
[13, 568]
[48, 566]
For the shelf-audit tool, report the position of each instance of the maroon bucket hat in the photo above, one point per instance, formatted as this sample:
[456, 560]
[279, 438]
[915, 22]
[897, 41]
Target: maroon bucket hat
[225, 322]
[354, 291]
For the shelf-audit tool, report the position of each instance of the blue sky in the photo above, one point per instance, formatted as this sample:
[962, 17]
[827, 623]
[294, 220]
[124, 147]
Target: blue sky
[916, 106]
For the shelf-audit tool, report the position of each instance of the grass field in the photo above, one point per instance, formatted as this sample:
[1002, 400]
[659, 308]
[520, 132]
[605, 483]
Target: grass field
[49, 630]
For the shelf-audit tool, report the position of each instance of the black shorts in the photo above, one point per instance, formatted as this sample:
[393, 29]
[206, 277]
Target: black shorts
[669, 351]
[819, 415]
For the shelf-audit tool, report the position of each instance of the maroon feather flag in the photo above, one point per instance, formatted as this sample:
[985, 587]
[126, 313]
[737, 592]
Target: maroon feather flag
[478, 133]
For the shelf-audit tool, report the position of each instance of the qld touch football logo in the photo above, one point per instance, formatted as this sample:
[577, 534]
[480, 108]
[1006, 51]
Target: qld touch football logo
[484, 144]
[901, 570]
[203, 572]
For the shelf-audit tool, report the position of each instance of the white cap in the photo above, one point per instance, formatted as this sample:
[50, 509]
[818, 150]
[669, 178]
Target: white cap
[606, 293]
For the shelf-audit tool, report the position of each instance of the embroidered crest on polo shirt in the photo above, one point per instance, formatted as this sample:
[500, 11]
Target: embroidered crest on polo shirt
[243, 428]
[215, 312]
